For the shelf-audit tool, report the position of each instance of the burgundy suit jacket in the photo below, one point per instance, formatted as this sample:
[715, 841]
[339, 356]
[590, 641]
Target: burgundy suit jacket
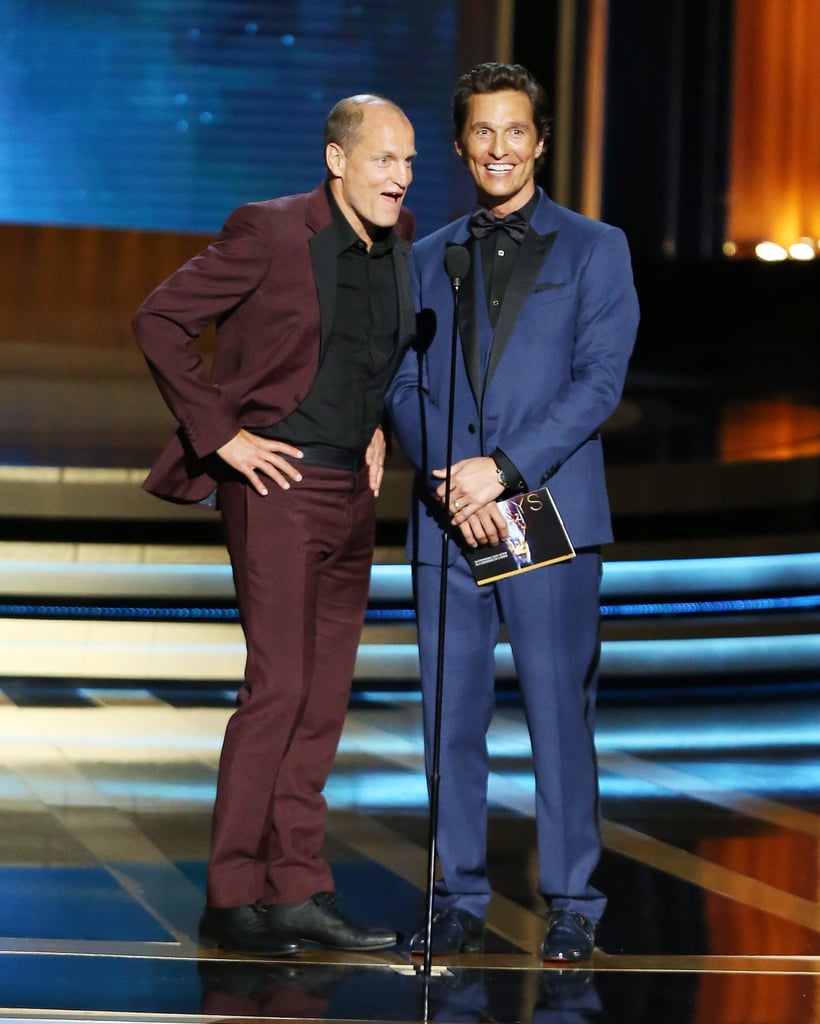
[269, 283]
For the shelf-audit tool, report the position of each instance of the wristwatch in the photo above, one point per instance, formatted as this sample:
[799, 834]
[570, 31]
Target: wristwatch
[508, 474]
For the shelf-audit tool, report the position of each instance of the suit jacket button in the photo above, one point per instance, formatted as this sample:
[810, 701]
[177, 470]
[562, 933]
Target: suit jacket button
[471, 427]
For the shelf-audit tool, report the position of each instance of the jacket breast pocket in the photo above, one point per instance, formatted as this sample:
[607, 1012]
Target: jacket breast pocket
[548, 286]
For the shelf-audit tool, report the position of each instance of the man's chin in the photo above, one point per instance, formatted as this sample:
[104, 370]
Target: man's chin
[384, 222]
[390, 216]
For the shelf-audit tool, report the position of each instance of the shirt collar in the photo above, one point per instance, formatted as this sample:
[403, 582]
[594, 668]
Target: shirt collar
[528, 209]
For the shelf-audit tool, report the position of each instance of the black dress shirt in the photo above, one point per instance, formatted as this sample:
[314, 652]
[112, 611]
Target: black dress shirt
[346, 401]
[498, 254]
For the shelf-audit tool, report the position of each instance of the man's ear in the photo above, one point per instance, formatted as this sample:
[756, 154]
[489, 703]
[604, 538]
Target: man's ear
[457, 148]
[335, 159]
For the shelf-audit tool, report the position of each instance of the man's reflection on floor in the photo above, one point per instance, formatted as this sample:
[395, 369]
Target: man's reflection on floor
[454, 995]
[563, 996]
[269, 989]
[568, 996]
[234, 989]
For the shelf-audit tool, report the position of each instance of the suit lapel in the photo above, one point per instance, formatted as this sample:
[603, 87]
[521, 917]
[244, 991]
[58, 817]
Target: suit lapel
[467, 322]
[407, 314]
[323, 256]
[534, 251]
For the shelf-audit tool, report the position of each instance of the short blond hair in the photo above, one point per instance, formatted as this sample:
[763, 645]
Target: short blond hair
[344, 122]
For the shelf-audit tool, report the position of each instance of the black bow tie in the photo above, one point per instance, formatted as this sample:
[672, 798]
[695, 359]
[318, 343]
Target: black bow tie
[482, 222]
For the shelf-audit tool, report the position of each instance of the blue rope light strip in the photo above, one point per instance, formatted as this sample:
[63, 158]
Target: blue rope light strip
[55, 611]
[801, 602]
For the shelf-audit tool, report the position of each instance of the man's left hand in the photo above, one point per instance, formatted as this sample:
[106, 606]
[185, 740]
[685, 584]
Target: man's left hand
[374, 457]
[473, 485]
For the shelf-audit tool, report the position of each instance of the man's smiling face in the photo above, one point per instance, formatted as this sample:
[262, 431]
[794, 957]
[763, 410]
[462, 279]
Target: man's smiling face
[499, 148]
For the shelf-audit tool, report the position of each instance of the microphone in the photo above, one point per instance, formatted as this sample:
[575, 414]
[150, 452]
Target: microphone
[457, 264]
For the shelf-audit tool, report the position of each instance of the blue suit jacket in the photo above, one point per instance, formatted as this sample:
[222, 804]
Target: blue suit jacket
[556, 368]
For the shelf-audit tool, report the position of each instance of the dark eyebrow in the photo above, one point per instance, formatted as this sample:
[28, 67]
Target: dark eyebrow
[513, 124]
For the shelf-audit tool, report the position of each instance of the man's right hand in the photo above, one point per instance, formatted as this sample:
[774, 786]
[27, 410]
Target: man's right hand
[250, 455]
[487, 526]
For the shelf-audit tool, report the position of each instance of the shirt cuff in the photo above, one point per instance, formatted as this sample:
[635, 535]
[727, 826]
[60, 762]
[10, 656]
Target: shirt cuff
[516, 484]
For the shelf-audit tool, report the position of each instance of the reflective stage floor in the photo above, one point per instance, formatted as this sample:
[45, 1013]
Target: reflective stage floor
[711, 827]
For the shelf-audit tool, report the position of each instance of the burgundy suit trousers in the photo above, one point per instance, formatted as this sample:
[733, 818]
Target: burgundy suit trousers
[301, 563]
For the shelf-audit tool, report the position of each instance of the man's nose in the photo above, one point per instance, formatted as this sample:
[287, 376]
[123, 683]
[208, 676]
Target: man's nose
[497, 147]
[403, 175]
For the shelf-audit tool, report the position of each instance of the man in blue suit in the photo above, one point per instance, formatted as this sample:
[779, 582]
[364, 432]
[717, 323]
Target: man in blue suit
[547, 321]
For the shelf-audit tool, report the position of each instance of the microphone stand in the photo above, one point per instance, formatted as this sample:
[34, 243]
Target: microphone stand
[457, 264]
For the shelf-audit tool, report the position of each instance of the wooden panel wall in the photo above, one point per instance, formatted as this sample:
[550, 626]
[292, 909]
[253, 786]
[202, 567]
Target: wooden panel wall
[80, 286]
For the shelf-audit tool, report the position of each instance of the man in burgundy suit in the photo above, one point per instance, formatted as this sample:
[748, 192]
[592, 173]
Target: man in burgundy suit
[310, 295]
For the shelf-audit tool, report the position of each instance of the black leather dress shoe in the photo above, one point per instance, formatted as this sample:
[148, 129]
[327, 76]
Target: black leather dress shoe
[244, 929]
[570, 936]
[454, 931]
[320, 920]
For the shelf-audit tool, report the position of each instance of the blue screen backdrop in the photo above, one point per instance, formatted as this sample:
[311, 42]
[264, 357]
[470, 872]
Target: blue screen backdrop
[166, 114]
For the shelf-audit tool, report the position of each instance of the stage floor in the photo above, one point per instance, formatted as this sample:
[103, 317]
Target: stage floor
[711, 825]
[710, 796]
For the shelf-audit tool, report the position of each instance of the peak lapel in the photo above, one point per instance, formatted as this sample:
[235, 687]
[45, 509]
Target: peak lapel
[534, 251]
[467, 326]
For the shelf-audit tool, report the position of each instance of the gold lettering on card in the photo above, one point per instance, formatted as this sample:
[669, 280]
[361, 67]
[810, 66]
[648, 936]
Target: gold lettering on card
[534, 502]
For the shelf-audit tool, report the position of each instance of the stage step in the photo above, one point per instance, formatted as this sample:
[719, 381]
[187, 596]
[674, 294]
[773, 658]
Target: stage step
[701, 620]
